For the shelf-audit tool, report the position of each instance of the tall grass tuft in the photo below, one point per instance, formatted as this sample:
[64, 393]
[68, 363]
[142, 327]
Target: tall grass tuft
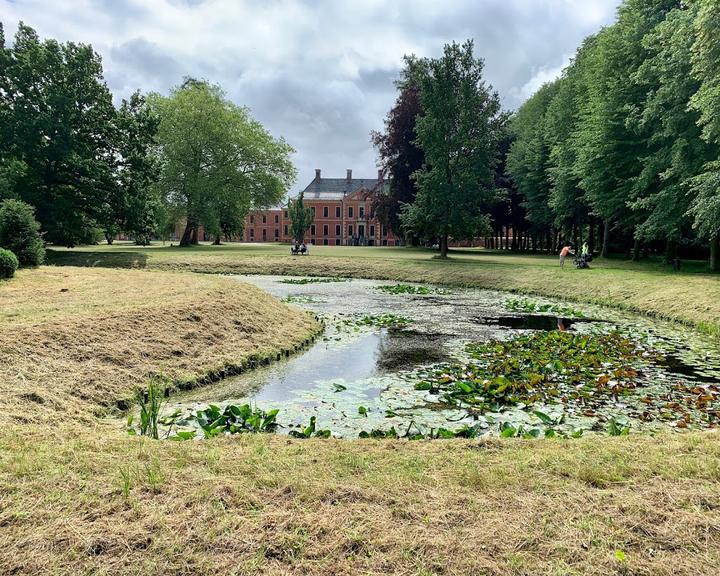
[151, 402]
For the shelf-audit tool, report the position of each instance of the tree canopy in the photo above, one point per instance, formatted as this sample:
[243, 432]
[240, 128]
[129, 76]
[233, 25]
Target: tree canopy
[216, 162]
[459, 132]
[628, 135]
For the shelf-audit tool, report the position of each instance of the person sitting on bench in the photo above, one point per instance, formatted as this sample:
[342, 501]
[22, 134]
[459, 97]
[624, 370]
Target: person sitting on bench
[295, 249]
[303, 249]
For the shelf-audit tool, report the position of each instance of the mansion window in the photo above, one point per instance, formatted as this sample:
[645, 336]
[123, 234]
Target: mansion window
[312, 230]
[326, 211]
[325, 229]
[350, 230]
[337, 211]
[252, 219]
[264, 219]
[337, 229]
[361, 211]
[350, 211]
[277, 219]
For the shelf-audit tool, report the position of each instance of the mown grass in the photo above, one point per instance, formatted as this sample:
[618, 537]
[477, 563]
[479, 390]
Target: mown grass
[101, 503]
[75, 341]
[79, 496]
[691, 297]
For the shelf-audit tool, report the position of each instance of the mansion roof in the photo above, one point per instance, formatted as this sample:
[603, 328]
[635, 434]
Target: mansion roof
[336, 188]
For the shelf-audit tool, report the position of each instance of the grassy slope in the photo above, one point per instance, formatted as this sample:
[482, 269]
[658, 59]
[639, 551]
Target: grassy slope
[78, 496]
[690, 297]
[74, 341]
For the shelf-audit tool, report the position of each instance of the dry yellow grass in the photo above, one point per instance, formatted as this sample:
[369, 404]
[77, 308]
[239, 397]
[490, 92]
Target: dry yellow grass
[100, 503]
[78, 496]
[75, 341]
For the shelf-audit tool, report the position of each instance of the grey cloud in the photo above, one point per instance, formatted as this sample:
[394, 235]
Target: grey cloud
[318, 72]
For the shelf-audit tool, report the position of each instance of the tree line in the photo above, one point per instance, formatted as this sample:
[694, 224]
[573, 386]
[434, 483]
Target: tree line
[622, 151]
[91, 169]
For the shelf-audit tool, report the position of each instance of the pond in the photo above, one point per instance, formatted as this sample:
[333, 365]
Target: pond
[400, 357]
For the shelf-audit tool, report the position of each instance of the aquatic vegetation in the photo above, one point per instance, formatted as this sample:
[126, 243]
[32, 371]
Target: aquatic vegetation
[617, 428]
[310, 431]
[151, 403]
[313, 280]
[299, 300]
[525, 305]
[414, 432]
[235, 419]
[404, 289]
[378, 321]
[412, 289]
[548, 367]
[509, 430]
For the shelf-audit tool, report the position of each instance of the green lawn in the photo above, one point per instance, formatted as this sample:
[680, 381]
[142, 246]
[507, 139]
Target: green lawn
[691, 296]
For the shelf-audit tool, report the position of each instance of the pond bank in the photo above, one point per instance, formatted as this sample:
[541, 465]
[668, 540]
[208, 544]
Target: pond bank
[689, 298]
[388, 350]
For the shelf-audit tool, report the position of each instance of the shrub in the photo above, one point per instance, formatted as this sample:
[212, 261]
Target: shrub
[8, 264]
[20, 232]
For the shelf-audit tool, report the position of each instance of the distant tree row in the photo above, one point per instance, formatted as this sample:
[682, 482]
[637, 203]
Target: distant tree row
[91, 169]
[623, 149]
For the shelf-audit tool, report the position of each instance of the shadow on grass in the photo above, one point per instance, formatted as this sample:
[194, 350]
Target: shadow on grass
[97, 259]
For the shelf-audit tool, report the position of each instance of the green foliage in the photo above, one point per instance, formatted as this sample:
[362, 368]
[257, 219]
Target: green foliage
[458, 132]
[398, 149]
[301, 218]
[411, 289]
[216, 161]
[303, 281]
[379, 321]
[617, 428]
[8, 264]
[547, 367]
[235, 420]
[151, 403]
[20, 232]
[57, 125]
[524, 305]
[529, 156]
[629, 133]
[413, 432]
[310, 431]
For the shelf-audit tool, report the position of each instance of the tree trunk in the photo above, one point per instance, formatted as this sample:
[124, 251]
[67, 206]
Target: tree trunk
[636, 251]
[216, 242]
[715, 254]
[109, 239]
[186, 239]
[443, 246]
[507, 238]
[606, 240]
[591, 234]
[194, 236]
[670, 251]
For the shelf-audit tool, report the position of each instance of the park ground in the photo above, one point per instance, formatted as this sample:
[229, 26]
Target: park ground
[79, 496]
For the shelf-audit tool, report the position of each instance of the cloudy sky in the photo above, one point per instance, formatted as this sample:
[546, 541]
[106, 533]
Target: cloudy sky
[318, 72]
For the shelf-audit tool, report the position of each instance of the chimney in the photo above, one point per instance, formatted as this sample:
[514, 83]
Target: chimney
[349, 174]
[317, 173]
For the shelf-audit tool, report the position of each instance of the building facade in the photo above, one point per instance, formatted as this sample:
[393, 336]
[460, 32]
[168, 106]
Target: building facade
[343, 215]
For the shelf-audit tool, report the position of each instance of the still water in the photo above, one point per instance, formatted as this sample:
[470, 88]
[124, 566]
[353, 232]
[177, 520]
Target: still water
[361, 377]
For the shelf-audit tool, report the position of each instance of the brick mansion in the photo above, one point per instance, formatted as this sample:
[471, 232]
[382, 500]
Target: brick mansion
[342, 209]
